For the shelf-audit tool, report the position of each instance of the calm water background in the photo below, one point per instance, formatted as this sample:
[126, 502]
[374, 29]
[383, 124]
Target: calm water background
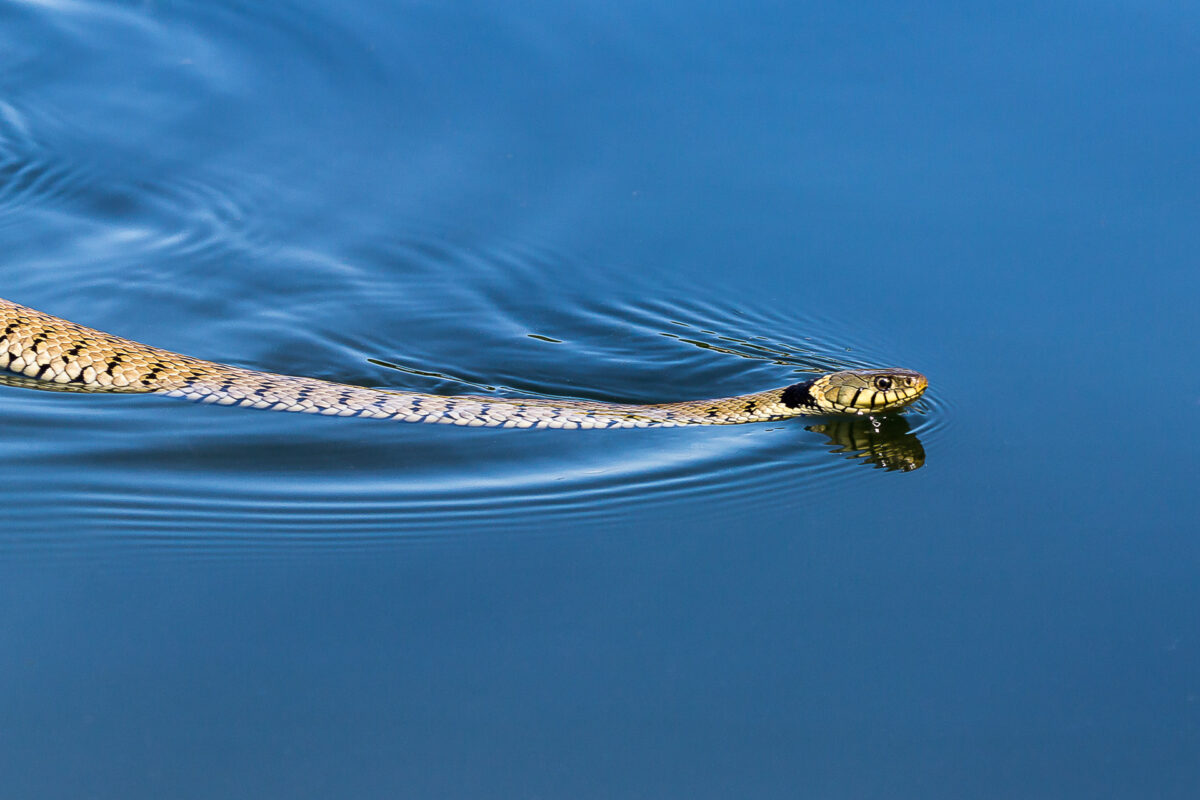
[626, 201]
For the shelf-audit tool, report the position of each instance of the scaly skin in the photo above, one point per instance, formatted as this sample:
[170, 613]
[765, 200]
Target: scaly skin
[42, 351]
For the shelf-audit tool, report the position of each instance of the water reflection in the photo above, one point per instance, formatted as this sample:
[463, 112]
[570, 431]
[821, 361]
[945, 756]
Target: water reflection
[883, 442]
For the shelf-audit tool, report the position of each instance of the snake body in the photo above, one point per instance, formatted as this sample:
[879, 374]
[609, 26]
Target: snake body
[43, 351]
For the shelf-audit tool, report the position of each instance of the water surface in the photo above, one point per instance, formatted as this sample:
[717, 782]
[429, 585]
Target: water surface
[992, 596]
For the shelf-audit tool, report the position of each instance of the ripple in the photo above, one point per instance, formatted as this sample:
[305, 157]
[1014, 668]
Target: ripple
[171, 211]
[487, 326]
[31, 174]
[127, 153]
[148, 469]
[138, 225]
[264, 480]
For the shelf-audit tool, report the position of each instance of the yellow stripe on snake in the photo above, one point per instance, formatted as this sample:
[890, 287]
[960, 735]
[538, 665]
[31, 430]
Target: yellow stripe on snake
[42, 351]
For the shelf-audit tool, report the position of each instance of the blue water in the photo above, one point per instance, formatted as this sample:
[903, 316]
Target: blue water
[995, 596]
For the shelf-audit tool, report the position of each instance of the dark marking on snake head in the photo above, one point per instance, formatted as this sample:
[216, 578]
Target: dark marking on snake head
[799, 394]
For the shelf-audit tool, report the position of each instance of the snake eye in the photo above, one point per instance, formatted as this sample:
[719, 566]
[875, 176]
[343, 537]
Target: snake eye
[883, 383]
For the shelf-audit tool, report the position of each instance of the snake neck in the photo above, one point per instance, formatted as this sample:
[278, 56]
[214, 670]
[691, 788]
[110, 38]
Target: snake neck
[768, 406]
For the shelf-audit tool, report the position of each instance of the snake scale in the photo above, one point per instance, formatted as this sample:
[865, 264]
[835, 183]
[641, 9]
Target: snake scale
[39, 350]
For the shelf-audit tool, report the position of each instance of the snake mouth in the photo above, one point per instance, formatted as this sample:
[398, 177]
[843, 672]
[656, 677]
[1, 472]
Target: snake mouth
[868, 391]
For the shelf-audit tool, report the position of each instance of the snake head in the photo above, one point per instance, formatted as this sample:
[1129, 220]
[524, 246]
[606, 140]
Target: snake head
[858, 391]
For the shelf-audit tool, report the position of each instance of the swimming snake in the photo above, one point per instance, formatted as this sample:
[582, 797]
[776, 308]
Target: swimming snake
[43, 351]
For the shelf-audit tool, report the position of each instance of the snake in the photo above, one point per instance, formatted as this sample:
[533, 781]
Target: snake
[39, 350]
